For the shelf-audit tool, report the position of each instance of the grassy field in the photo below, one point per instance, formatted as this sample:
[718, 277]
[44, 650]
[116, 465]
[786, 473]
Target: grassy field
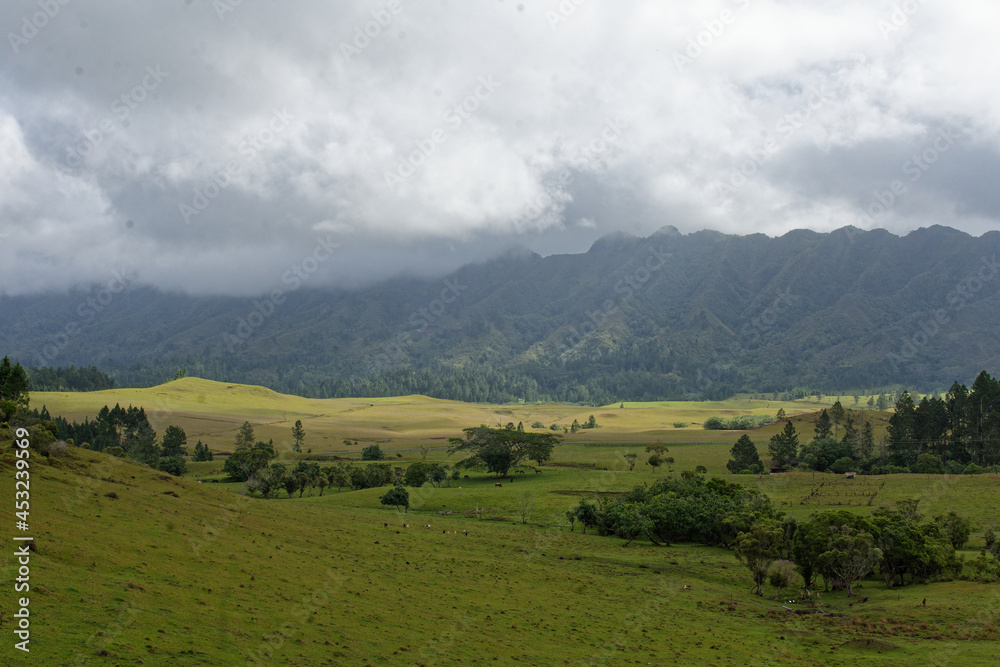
[173, 571]
[213, 412]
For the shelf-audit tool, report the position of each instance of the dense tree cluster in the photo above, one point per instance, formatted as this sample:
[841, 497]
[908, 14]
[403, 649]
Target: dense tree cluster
[963, 426]
[46, 378]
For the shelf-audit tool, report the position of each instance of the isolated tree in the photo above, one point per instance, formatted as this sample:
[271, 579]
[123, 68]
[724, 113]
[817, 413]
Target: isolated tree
[871, 402]
[781, 575]
[630, 460]
[174, 440]
[575, 426]
[525, 505]
[591, 422]
[424, 451]
[298, 435]
[758, 548]
[655, 460]
[744, 457]
[571, 515]
[784, 447]
[781, 415]
[499, 450]
[398, 497]
[520, 427]
[245, 437]
[657, 448]
[823, 428]
[372, 453]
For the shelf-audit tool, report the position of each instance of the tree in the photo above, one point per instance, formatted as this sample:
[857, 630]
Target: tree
[243, 464]
[758, 548]
[591, 422]
[372, 453]
[837, 414]
[851, 555]
[586, 514]
[630, 459]
[298, 435]
[823, 428]
[955, 528]
[398, 497]
[784, 447]
[140, 445]
[525, 505]
[202, 452]
[13, 390]
[245, 437]
[575, 426]
[424, 451]
[172, 465]
[655, 460]
[744, 457]
[657, 448]
[781, 575]
[780, 416]
[866, 443]
[290, 482]
[928, 464]
[174, 440]
[267, 480]
[417, 474]
[499, 450]
[339, 475]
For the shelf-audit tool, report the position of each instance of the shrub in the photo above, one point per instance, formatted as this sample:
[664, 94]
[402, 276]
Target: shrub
[681, 424]
[842, 465]
[714, 424]
[928, 464]
[972, 469]
[537, 424]
[372, 453]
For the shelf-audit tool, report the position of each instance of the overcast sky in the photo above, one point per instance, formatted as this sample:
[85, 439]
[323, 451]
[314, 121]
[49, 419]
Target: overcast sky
[209, 146]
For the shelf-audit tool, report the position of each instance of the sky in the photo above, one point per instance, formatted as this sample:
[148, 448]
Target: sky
[210, 146]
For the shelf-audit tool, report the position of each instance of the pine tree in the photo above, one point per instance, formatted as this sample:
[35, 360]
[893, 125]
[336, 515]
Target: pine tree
[299, 435]
[823, 426]
[745, 456]
[245, 438]
[784, 447]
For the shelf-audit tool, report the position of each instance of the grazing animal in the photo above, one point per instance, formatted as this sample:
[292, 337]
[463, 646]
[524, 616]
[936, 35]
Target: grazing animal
[498, 484]
[385, 525]
[466, 477]
[428, 525]
[465, 532]
[537, 471]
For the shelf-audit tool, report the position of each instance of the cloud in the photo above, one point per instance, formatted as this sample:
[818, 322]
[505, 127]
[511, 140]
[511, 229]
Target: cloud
[205, 146]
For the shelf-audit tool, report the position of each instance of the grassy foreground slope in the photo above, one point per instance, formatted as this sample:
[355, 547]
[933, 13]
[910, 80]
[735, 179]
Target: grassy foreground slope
[214, 411]
[135, 567]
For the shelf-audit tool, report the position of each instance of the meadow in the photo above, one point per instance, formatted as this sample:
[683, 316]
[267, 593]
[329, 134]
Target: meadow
[137, 567]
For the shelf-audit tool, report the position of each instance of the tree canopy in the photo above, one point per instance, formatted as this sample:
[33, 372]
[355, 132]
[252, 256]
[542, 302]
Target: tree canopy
[499, 449]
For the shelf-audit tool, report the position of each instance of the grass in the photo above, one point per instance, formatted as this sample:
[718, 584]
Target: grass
[179, 572]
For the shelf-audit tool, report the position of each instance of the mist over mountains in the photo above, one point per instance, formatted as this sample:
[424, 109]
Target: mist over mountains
[668, 316]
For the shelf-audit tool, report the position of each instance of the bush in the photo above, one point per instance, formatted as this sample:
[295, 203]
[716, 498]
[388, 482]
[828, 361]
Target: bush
[842, 465]
[681, 424]
[537, 424]
[972, 469]
[714, 424]
[372, 453]
[928, 464]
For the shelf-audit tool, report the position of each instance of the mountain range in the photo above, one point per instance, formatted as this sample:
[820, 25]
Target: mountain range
[700, 315]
